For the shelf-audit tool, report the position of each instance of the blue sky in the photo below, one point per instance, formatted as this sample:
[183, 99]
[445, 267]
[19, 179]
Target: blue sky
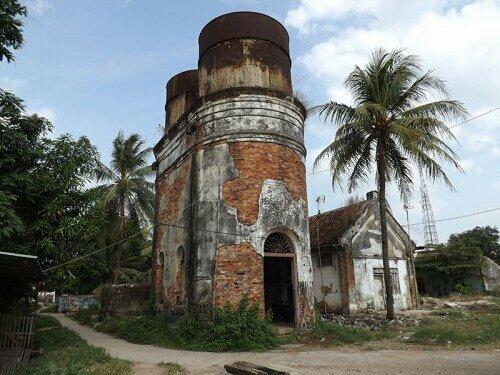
[97, 66]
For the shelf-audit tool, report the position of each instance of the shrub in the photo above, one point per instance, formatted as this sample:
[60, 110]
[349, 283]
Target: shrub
[139, 330]
[338, 334]
[226, 329]
[441, 270]
[89, 316]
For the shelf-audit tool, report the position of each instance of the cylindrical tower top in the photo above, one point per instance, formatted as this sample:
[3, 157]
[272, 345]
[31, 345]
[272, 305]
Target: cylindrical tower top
[241, 25]
[182, 92]
[244, 49]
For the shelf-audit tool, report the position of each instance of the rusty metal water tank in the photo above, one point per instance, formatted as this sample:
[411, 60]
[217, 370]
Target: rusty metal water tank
[182, 93]
[244, 49]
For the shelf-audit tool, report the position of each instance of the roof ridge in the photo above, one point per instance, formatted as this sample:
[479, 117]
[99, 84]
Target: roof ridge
[339, 208]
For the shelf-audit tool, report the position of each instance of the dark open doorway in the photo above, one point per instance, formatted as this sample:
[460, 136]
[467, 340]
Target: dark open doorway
[278, 288]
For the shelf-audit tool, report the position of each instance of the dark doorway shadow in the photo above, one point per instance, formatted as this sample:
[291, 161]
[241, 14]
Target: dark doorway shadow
[278, 289]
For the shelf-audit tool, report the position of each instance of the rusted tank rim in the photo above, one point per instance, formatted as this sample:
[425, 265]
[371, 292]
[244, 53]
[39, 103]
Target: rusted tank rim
[241, 25]
[185, 82]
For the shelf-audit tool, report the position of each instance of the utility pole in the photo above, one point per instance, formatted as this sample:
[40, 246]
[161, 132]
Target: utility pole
[430, 231]
[319, 200]
[407, 208]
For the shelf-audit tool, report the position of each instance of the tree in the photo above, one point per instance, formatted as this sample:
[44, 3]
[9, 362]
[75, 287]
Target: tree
[486, 238]
[11, 32]
[127, 192]
[44, 207]
[390, 127]
[448, 268]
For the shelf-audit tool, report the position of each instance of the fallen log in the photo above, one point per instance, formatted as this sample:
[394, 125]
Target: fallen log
[246, 368]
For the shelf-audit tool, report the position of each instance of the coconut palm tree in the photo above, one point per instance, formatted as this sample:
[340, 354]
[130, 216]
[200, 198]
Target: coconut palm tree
[389, 127]
[126, 191]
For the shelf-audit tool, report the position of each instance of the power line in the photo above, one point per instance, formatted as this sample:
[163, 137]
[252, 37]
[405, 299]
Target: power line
[451, 127]
[475, 117]
[99, 250]
[462, 216]
[118, 242]
[210, 231]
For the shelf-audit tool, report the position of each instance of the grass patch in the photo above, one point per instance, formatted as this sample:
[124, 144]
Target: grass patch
[459, 328]
[68, 353]
[227, 329]
[52, 308]
[338, 334]
[173, 368]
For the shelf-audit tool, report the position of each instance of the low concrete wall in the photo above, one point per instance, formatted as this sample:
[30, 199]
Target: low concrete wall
[68, 303]
[125, 299]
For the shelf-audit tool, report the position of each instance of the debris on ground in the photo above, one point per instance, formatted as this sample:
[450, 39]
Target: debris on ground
[457, 301]
[370, 320]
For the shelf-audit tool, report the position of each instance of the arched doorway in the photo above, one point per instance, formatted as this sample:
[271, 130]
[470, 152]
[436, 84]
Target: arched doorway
[279, 291]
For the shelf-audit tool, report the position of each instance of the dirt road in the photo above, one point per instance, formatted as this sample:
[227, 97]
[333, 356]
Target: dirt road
[303, 362]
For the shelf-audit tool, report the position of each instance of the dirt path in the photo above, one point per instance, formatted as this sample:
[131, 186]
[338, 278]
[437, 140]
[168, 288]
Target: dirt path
[303, 362]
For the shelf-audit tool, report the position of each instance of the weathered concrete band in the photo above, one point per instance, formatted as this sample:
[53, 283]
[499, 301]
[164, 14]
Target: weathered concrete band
[264, 119]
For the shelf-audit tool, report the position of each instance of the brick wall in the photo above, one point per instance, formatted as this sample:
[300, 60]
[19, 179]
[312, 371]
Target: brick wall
[239, 271]
[175, 294]
[169, 190]
[346, 270]
[256, 162]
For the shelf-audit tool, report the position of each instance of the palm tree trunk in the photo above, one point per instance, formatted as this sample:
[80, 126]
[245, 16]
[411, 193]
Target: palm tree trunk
[381, 169]
[119, 252]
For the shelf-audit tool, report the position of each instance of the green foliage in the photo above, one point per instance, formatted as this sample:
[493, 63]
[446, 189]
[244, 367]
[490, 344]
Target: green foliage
[67, 353]
[231, 329]
[486, 238]
[390, 124]
[44, 207]
[463, 289]
[226, 329]
[449, 268]
[89, 316]
[11, 27]
[338, 334]
[127, 198]
[477, 328]
[52, 308]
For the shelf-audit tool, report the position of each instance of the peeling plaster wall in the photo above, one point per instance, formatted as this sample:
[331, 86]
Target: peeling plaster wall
[363, 239]
[491, 275]
[363, 295]
[327, 285]
[205, 137]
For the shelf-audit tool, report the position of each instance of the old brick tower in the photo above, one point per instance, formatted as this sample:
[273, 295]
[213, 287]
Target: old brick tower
[231, 202]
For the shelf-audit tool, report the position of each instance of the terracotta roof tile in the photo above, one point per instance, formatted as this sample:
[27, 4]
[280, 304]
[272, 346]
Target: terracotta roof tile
[333, 224]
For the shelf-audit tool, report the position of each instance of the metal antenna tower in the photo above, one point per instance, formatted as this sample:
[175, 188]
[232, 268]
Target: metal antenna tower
[430, 231]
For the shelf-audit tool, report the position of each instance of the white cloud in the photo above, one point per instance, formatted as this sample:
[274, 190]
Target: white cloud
[460, 43]
[12, 84]
[39, 7]
[46, 112]
[309, 14]
[457, 38]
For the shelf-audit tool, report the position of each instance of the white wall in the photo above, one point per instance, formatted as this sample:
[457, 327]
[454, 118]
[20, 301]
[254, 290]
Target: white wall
[331, 285]
[363, 295]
